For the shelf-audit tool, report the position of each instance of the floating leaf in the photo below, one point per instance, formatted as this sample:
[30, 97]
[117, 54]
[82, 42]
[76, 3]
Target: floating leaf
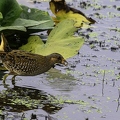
[34, 43]
[60, 40]
[62, 11]
[44, 26]
[31, 19]
[34, 14]
[14, 28]
[10, 10]
[37, 15]
[27, 23]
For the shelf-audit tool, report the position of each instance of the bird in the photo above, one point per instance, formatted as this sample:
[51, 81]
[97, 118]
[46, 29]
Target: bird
[22, 63]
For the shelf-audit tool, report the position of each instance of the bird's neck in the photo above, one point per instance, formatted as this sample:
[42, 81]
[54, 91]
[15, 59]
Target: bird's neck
[50, 61]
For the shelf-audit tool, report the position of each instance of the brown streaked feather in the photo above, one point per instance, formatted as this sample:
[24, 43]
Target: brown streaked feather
[23, 63]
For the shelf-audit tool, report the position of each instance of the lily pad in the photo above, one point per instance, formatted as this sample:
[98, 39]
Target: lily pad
[27, 23]
[34, 14]
[62, 11]
[26, 19]
[37, 15]
[10, 10]
[15, 28]
[60, 40]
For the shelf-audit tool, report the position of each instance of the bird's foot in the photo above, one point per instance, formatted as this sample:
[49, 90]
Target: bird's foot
[4, 78]
[13, 80]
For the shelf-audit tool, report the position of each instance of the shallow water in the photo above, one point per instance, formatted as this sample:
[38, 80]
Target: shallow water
[87, 89]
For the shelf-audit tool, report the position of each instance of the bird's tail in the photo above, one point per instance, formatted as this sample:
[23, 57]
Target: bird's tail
[4, 46]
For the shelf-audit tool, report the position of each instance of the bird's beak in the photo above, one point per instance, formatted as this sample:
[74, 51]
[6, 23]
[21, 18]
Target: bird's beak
[64, 62]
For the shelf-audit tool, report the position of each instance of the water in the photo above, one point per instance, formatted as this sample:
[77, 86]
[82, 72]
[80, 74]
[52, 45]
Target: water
[91, 77]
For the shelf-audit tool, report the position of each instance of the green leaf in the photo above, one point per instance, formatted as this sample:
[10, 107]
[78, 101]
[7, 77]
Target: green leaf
[34, 14]
[15, 28]
[37, 15]
[44, 26]
[60, 40]
[34, 43]
[27, 23]
[10, 10]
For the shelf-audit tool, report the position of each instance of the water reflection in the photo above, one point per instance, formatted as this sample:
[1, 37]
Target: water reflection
[20, 99]
[61, 81]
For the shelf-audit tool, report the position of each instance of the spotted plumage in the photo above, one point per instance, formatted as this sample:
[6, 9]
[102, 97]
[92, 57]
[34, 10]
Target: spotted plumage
[23, 63]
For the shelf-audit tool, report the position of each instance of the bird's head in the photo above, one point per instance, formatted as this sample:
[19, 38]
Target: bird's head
[56, 58]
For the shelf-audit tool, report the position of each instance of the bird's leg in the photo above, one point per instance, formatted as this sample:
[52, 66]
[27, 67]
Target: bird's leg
[13, 79]
[4, 77]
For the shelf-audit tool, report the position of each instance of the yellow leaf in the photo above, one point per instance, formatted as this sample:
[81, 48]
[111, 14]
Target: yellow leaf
[62, 12]
[60, 40]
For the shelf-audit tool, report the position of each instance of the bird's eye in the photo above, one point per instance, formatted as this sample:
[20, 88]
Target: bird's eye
[59, 58]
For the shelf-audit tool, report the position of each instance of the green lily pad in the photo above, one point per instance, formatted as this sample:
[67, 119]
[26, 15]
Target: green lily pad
[30, 20]
[34, 14]
[37, 15]
[27, 23]
[15, 28]
[60, 40]
[10, 10]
